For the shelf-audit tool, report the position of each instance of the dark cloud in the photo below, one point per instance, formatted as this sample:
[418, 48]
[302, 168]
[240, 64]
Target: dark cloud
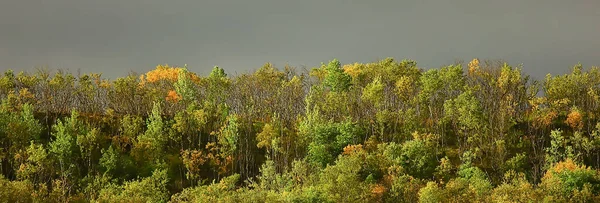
[115, 36]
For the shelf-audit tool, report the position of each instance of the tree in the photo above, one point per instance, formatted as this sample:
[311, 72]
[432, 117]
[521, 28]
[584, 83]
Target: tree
[150, 189]
[417, 157]
[328, 139]
[109, 160]
[150, 145]
[564, 179]
[515, 188]
[559, 149]
[193, 161]
[431, 193]
[373, 92]
[17, 130]
[336, 78]
[89, 144]
[342, 182]
[63, 148]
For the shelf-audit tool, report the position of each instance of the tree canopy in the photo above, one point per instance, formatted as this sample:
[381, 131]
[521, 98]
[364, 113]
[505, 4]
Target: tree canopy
[386, 131]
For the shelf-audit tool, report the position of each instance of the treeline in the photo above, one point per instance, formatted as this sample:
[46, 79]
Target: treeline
[386, 131]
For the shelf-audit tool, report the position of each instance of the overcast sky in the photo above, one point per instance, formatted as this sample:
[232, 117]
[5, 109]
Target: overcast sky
[118, 36]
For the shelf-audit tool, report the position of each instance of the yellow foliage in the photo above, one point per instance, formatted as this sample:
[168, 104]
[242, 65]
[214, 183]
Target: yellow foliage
[429, 122]
[265, 137]
[536, 102]
[504, 79]
[568, 164]
[320, 73]
[404, 86]
[25, 94]
[592, 93]
[104, 84]
[473, 66]
[424, 136]
[352, 69]
[560, 103]
[142, 81]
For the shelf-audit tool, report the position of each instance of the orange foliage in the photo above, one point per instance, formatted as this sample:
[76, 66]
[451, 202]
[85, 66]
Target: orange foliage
[350, 149]
[194, 78]
[172, 96]
[224, 168]
[567, 165]
[377, 190]
[574, 120]
[167, 73]
[163, 73]
[193, 159]
[429, 122]
[546, 119]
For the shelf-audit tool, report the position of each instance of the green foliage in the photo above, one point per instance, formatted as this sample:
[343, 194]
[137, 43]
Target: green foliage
[336, 78]
[565, 179]
[406, 188]
[466, 110]
[516, 163]
[229, 137]
[150, 145]
[385, 131]
[150, 189]
[17, 191]
[184, 85]
[373, 92]
[431, 193]
[109, 160]
[270, 180]
[343, 182]
[515, 188]
[559, 149]
[215, 192]
[328, 140]
[8, 80]
[217, 73]
[64, 143]
[418, 158]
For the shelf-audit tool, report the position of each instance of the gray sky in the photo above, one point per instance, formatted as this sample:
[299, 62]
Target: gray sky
[117, 36]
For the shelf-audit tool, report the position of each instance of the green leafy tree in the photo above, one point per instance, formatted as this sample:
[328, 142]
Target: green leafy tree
[150, 145]
[150, 189]
[343, 182]
[431, 193]
[336, 78]
[63, 148]
[109, 160]
[566, 178]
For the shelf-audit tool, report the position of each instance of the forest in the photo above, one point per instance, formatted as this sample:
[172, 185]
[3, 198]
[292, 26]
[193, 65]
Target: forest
[384, 131]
